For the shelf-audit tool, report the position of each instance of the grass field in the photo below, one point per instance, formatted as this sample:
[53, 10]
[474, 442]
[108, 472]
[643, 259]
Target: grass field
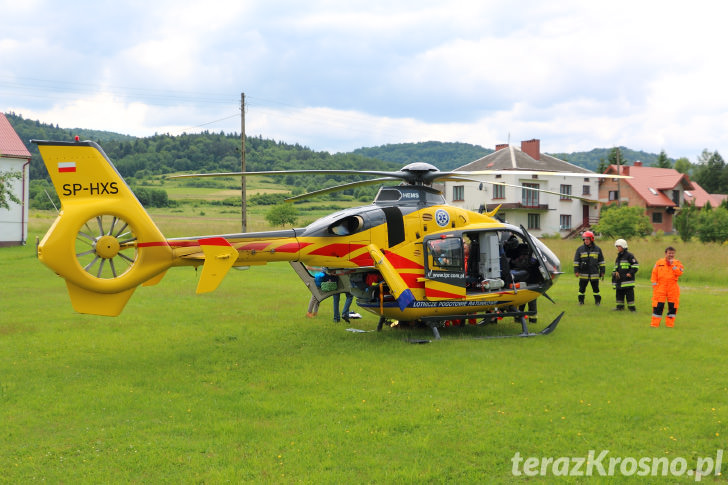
[238, 386]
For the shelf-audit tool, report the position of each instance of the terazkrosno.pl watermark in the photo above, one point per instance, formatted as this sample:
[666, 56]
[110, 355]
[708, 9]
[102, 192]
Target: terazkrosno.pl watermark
[608, 466]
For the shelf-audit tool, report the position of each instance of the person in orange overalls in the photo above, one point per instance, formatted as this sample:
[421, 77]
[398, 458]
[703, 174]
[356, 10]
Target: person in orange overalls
[664, 287]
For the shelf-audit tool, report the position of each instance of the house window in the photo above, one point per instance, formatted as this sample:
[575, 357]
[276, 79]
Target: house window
[613, 194]
[657, 217]
[499, 191]
[534, 221]
[565, 192]
[458, 192]
[676, 197]
[565, 221]
[585, 190]
[529, 197]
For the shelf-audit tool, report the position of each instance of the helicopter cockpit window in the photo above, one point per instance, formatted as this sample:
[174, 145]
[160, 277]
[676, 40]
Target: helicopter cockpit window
[445, 254]
[388, 194]
[435, 198]
[346, 226]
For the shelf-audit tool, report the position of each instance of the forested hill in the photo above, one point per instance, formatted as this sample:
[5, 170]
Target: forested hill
[220, 152]
[203, 152]
[591, 159]
[448, 156]
[445, 156]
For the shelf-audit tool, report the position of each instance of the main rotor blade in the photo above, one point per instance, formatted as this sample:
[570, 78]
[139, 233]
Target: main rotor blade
[395, 175]
[452, 178]
[563, 196]
[536, 172]
[337, 188]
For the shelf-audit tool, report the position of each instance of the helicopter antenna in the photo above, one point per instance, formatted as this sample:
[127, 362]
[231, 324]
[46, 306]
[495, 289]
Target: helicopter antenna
[51, 199]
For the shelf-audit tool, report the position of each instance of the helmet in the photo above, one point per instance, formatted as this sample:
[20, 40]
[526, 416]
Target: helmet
[588, 234]
[511, 243]
[621, 243]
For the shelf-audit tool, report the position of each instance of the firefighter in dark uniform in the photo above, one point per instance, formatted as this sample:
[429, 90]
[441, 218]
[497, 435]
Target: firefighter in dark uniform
[589, 267]
[625, 268]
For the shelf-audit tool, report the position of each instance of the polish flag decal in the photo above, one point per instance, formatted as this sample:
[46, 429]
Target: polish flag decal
[66, 167]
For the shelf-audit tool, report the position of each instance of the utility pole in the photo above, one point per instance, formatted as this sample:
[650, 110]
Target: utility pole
[619, 172]
[243, 189]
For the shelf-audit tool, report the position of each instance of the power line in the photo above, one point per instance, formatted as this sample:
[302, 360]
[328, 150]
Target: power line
[53, 89]
[38, 88]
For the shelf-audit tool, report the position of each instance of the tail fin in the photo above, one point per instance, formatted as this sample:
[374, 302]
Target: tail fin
[103, 242]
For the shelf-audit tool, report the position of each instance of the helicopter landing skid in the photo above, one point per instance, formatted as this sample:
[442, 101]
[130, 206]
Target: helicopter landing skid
[551, 327]
[488, 318]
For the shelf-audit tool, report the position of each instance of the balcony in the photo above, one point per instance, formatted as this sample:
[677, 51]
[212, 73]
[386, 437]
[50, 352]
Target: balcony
[524, 207]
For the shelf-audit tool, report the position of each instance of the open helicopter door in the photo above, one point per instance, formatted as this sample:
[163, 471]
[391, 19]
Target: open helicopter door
[309, 279]
[444, 268]
[536, 251]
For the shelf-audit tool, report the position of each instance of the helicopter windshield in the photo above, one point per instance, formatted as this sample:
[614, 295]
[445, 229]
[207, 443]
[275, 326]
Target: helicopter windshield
[346, 226]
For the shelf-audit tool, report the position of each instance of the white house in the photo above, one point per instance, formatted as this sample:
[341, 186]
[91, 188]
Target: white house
[540, 212]
[14, 157]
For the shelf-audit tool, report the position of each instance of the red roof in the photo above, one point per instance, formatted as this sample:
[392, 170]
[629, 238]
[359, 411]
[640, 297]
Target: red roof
[10, 144]
[650, 182]
[699, 197]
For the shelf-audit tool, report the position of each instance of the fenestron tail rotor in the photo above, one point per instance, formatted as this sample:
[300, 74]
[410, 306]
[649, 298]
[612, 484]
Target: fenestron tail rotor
[106, 246]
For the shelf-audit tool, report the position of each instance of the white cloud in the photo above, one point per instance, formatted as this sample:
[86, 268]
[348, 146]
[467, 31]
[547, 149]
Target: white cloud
[337, 76]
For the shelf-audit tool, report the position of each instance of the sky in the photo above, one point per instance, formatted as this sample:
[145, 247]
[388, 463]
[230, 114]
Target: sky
[337, 76]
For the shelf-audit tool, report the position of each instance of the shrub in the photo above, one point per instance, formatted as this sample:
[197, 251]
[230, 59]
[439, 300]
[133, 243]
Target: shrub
[282, 214]
[713, 225]
[151, 197]
[624, 222]
[266, 199]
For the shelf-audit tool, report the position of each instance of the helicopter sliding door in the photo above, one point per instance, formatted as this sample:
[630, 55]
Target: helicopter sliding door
[444, 268]
[538, 249]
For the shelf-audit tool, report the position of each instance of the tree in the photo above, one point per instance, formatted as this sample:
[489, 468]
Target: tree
[42, 195]
[623, 222]
[713, 224]
[150, 197]
[6, 195]
[687, 221]
[615, 157]
[662, 161]
[282, 214]
[711, 173]
[683, 165]
[603, 166]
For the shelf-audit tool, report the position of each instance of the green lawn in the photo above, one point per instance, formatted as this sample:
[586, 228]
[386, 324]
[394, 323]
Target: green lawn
[239, 386]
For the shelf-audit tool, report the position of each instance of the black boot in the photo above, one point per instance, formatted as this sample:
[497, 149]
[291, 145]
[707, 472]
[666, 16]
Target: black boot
[597, 300]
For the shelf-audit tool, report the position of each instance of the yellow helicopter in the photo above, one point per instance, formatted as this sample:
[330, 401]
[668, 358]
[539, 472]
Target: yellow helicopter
[407, 257]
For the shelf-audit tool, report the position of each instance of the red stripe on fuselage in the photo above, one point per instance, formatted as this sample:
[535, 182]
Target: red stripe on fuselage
[411, 280]
[254, 246]
[284, 248]
[335, 250]
[165, 243]
[213, 241]
[291, 247]
[443, 294]
[400, 262]
[363, 259]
